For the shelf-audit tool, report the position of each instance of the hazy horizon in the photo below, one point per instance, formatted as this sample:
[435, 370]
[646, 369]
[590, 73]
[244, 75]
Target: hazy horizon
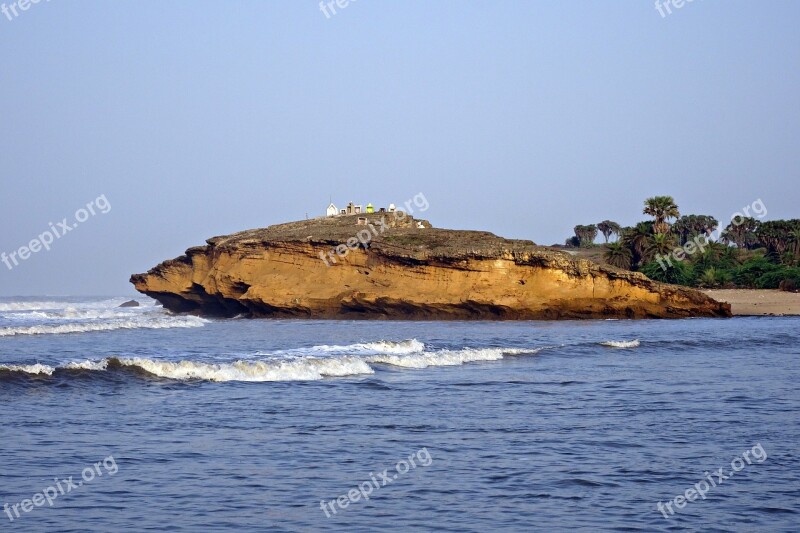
[524, 119]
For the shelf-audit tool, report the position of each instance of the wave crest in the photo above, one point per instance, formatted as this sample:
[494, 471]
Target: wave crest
[449, 357]
[35, 369]
[291, 370]
[144, 322]
[29, 306]
[394, 347]
[621, 344]
[361, 348]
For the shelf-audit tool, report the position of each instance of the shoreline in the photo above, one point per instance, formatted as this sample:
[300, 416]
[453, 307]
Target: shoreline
[758, 302]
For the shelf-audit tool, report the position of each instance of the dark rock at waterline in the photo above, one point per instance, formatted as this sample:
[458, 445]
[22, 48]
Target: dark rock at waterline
[130, 303]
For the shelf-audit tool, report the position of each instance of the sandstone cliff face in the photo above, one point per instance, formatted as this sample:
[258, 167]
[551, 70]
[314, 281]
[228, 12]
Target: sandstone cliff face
[404, 271]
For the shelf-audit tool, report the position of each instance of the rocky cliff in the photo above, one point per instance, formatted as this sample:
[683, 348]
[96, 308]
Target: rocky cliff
[387, 266]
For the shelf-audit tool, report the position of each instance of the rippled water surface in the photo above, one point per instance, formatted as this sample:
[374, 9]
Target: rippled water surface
[209, 425]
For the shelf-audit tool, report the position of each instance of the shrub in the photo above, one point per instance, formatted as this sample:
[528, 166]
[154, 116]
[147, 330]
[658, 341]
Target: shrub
[774, 279]
[748, 274]
[679, 273]
[713, 277]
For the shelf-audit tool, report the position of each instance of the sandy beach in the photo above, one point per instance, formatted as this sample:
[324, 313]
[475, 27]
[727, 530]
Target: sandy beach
[750, 302]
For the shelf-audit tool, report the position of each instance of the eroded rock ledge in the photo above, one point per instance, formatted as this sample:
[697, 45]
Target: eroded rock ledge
[404, 271]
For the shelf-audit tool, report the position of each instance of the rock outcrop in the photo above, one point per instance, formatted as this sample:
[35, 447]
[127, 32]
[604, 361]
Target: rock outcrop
[400, 267]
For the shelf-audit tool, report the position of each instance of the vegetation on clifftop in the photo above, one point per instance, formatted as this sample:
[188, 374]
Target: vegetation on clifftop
[690, 250]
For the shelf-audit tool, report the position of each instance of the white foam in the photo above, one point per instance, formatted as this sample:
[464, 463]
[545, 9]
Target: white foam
[70, 314]
[365, 348]
[396, 347]
[448, 357]
[47, 305]
[22, 316]
[281, 368]
[308, 369]
[37, 312]
[30, 306]
[159, 322]
[87, 365]
[89, 314]
[400, 347]
[29, 369]
[621, 344]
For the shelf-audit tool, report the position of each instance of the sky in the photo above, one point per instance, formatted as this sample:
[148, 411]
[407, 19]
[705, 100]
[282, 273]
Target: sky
[178, 121]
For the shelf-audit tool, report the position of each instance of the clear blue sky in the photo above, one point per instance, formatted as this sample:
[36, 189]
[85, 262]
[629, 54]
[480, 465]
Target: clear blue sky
[200, 118]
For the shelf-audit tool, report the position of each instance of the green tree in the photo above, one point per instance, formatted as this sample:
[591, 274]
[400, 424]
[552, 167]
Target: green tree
[586, 234]
[777, 235]
[713, 277]
[741, 232]
[689, 226]
[662, 209]
[794, 240]
[608, 228]
[715, 255]
[637, 239]
[618, 255]
[660, 244]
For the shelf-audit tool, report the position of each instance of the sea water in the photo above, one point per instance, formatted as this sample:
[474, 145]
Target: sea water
[190, 424]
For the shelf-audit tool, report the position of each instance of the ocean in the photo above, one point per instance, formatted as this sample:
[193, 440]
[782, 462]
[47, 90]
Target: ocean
[132, 419]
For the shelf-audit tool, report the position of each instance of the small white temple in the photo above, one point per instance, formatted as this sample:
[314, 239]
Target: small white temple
[357, 209]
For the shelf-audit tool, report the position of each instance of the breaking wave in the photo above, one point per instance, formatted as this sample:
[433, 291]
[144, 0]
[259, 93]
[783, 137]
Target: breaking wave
[36, 369]
[621, 344]
[73, 315]
[291, 370]
[146, 322]
[362, 348]
[448, 357]
[288, 370]
[29, 306]
[274, 369]
[407, 346]
[87, 365]
[53, 305]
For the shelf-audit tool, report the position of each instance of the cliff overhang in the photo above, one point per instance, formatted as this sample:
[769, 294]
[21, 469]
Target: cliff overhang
[404, 269]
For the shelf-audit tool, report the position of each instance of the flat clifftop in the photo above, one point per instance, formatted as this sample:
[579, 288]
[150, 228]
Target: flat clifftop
[387, 232]
[385, 265]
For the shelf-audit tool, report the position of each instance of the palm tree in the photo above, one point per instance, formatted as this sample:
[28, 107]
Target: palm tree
[714, 250]
[690, 226]
[712, 277]
[733, 256]
[637, 239]
[741, 232]
[712, 254]
[794, 239]
[661, 208]
[608, 228]
[618, 255]
[776, 235]
[586, 234]
[660, 244]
